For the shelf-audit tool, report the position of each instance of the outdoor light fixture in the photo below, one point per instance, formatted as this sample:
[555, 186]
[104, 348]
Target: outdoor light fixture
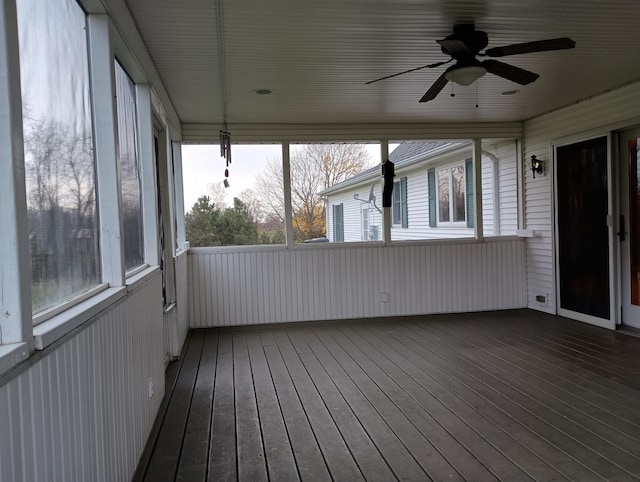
[465, 75]
[537, 166]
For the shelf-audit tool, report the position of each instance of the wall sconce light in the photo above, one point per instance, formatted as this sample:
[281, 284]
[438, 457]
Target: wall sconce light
[537, 166]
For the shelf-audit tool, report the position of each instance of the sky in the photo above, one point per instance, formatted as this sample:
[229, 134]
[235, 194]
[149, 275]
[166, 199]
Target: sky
[203, 166]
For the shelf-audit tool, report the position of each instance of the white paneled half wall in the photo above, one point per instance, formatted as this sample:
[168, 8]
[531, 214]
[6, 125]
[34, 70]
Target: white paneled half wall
[255, 286]
[84, 409]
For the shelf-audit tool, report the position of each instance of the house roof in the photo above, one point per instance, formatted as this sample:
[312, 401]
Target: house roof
[404, 156]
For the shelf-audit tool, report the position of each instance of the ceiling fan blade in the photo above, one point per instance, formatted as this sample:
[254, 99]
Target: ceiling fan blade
[452, 46]
[529, 47]
[510, 72]
[430, 66]
[435, 89]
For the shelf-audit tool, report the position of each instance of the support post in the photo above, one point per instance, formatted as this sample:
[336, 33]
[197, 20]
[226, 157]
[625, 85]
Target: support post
[477, 188]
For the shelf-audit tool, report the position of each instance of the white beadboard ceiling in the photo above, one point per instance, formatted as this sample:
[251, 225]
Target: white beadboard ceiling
[317, 55]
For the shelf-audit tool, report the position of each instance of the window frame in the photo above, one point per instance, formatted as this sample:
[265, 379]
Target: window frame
[400, 203]
[364, 220]
[449, 168]
[338, 227]
[131, 85]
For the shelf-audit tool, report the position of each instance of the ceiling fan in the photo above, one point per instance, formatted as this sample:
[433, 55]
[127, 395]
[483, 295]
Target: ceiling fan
[465, 45]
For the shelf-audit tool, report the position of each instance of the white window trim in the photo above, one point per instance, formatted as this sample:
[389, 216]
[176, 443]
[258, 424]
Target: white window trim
[397, 186]
[80, 313]
[67, 304]
[15, 257]
[134, 271]
[12, 354]
[451, 224]
[56, 327]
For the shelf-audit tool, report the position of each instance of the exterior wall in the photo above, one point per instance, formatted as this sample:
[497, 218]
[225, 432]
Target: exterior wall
[352, 211]
[234, 287]
[507, 176]
[81, 410]
[613, 110]
[499, 201]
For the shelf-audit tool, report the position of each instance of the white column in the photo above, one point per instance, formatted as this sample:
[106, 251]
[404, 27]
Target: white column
[101, 61]
[15, 258]
[477, 188]
[177, 173]
[286, 180]
[146, 159]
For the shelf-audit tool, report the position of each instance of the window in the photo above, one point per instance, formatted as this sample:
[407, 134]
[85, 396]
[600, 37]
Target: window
[399, 214]
[366, 236]
[58, 146]
[129, 170]
[451, 195]
[338, 223]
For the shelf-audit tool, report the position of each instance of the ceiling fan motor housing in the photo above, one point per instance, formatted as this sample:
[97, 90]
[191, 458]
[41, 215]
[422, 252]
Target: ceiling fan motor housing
[464, 41]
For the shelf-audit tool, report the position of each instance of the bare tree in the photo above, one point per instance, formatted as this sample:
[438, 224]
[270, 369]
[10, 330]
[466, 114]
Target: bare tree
[62, 210]
[78, 178]
[313, 168]
[218, 195]
[253, 203]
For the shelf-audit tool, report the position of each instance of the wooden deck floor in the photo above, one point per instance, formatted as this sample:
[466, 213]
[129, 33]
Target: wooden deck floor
[507, 396]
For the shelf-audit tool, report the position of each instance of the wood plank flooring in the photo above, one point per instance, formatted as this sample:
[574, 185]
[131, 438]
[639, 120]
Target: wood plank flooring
[514, 395]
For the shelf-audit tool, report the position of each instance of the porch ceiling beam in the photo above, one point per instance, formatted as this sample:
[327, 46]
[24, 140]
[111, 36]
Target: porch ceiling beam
[353, 132]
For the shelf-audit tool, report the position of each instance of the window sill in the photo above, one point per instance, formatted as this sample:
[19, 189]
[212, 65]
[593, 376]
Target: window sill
[53, 329]
[140, 278]
[11, 355]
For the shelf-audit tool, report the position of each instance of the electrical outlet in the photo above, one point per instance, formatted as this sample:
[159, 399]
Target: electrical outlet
[384, 297]
[150, 388]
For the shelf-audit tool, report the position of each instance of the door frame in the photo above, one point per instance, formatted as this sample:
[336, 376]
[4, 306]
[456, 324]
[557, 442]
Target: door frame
[612, 209]
[623, 209]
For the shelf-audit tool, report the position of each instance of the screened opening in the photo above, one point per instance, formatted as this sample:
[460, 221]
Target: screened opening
[249, 210]
[129, 170]
[324, 176]
[58, 147]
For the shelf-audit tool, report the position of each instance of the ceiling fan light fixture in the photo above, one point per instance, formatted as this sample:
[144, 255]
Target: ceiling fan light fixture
[465, 75]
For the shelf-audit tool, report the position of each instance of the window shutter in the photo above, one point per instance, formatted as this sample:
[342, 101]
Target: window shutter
[403, 202]
[431, 184]
[469, 188]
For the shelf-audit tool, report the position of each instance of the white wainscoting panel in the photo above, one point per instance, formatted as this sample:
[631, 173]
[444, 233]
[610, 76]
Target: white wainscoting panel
[231, 287]
[82, 412]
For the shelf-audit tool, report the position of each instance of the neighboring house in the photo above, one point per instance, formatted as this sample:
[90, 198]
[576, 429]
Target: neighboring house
[432, 194]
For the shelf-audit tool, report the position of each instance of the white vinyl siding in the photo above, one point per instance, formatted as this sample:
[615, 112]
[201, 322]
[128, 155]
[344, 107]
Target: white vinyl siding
[598, 115]
[500, 203]
[352, 212]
